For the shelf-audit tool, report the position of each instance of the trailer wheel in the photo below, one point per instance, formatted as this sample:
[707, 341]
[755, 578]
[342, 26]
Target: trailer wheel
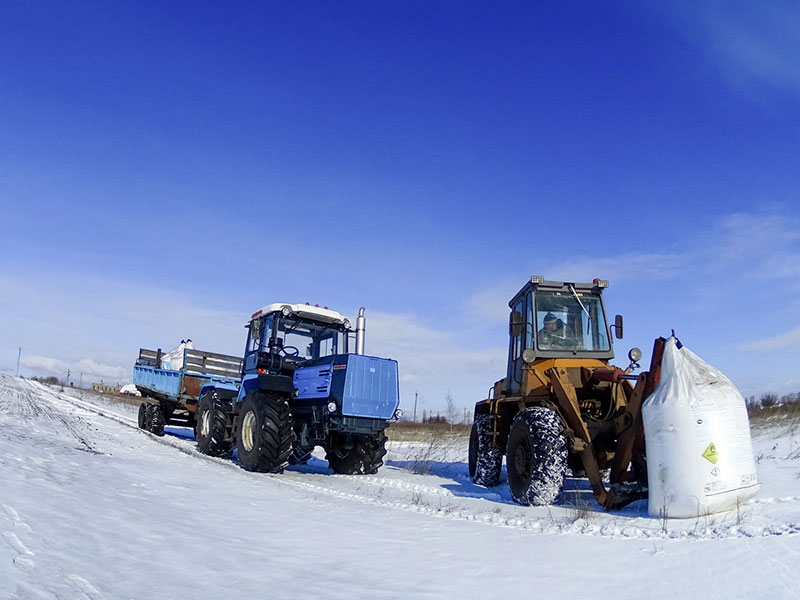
[363, 456]
[300, 455]
[485, 458]
[536, 457]
[156, 420]
[264, 433]
[142, 417]
[213, 425]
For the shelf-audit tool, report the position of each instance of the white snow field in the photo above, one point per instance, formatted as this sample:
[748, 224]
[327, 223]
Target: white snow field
[91, 507]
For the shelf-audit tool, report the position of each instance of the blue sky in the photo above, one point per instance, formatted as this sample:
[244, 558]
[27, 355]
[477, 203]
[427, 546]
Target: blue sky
[166, 168]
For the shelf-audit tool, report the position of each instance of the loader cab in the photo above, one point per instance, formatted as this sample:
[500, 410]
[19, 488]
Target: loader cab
[556, 320]
[282, 337]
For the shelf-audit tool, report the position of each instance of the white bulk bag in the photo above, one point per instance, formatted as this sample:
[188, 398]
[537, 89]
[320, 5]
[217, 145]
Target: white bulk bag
[174, 358]
[697, 435]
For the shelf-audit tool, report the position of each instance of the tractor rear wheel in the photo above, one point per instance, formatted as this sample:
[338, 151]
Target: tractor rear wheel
[536, 457]
[264, 433]
[485, 458]
[363, 455]
[213, 425]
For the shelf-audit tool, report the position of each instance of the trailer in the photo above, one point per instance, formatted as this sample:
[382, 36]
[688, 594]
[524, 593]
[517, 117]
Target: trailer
[171, 396]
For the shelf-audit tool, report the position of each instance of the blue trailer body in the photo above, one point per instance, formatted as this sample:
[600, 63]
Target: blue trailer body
[162, 381]
[185, 384]
[172, 384]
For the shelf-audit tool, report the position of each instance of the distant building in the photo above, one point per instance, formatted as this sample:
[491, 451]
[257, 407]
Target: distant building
[103, 388]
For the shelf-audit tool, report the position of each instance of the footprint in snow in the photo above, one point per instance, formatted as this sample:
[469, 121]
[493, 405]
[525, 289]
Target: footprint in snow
[23, 560]
[12, 515]
[88, 590]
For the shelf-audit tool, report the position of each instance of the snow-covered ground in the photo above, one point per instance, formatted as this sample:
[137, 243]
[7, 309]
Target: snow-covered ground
[92, 507]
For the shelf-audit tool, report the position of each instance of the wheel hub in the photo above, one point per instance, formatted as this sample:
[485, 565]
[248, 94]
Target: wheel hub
[521, 462]
[205, 423]
[248, 431]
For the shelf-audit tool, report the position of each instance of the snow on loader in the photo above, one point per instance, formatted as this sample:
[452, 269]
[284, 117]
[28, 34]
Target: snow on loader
[304, 382]
[562, 404]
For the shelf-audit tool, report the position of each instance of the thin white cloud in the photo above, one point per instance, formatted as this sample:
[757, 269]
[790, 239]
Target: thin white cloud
[94, 369]
[785, 341]
[754, 46]
[85, 369]
[43, 364]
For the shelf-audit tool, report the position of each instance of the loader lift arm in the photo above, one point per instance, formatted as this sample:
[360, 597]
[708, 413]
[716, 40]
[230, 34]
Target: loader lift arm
[626, 485]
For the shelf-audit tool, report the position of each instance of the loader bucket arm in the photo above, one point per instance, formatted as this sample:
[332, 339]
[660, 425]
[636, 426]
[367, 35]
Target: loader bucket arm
[580, 438]
[626, 486]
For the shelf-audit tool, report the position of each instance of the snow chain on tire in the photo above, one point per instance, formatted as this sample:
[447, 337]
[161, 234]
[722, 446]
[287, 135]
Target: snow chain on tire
[485, 458]
[536, 456]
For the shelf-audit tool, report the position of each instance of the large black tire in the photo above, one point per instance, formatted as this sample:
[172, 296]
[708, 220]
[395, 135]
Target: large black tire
[363, 455]
[213, 429]
[142, 417]
[264, 433]
[156, 420]
[300, 455]
[536, 457]
[485, 458]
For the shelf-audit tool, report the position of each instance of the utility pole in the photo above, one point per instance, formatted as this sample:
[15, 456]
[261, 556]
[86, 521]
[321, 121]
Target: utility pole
[80, 384]
[67, 376]
[18, 357]
[415, 406]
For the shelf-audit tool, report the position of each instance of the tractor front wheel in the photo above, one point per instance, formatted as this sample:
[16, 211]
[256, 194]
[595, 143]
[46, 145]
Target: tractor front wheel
[536, 457]
[361, 455]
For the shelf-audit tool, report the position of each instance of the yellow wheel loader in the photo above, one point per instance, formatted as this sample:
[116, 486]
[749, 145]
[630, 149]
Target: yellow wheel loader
[562, 404]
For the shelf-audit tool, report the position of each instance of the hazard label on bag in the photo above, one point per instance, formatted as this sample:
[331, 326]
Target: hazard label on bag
[711, 453]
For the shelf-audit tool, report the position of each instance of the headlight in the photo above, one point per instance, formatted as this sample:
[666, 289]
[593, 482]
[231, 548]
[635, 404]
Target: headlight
[634, 355]
[346, 323]
[398, 414]
[286, 310]
[331, 407]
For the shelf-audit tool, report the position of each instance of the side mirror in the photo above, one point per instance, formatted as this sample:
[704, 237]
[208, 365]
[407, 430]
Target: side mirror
[516, 326]
[618, 327]
[255, 330]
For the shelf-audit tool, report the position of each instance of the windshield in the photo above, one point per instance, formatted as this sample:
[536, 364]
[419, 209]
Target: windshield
[570, 321]
[312, 340]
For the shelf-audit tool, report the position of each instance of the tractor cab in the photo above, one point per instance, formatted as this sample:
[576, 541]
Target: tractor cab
[282, 337]
[552, 320]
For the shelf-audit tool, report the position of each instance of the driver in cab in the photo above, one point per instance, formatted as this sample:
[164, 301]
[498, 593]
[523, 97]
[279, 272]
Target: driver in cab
[553, 335]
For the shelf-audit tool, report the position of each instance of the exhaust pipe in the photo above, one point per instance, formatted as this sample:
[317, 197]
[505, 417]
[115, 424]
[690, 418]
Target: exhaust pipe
[361, 326]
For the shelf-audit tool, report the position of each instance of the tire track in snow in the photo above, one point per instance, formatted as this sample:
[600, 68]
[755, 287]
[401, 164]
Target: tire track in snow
[36, 405]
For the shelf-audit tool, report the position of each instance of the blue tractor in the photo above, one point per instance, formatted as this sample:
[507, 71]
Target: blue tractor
[305, 382]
